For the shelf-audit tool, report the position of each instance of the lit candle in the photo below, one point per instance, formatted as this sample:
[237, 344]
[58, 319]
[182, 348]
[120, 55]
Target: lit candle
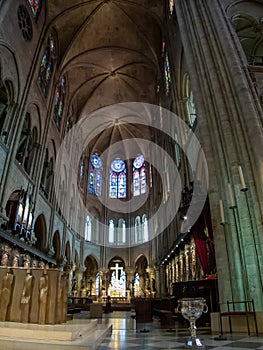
[222, 211]
[241, 176]
[232, 203]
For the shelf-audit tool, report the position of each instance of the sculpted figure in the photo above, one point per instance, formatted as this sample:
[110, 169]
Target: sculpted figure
[5, 294]
[26, 297]
[43, 291]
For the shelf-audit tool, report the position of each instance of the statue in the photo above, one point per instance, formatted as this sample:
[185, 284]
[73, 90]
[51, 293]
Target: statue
[5, 294]
[5, 259]
[26, 297]
[43, 291]
[15, 262]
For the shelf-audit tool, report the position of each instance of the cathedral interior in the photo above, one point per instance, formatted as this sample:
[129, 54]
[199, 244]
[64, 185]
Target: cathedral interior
[131, 152]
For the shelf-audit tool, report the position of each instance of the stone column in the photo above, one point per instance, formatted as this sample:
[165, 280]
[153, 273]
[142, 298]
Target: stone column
[103, 281]
[162, 281]
[130, 277]
[157, 280]
[230, 130]
[82, 284]
[151, 273]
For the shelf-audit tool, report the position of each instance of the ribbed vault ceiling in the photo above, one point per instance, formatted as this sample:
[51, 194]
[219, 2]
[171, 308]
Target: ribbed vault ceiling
[109, 50]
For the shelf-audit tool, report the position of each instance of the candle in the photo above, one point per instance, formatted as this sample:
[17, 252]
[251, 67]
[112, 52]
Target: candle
[222, 211]
[232, 203]
[241, 176]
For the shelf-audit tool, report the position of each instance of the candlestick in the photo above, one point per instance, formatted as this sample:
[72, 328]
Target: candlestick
[222, 214]
[232, 203]
[242, 180]
[241, 255]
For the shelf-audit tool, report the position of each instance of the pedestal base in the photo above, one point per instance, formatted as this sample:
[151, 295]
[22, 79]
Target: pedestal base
[194, 344]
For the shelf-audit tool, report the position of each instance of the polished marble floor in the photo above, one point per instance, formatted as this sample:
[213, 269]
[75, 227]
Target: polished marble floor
[151, 337]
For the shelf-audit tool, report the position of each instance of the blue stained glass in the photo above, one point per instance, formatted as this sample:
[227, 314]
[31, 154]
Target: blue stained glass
[136, 183]
[96, 161]
[122, 185]
[143, 180]
[118, 165]
[139, 176]
[118, 179]
[113, 185]
[95, 176]
[138, 162]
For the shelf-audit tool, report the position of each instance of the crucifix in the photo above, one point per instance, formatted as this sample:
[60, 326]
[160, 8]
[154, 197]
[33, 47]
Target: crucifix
[117, 268]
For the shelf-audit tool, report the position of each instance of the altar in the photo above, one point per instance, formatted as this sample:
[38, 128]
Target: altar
[117, 286]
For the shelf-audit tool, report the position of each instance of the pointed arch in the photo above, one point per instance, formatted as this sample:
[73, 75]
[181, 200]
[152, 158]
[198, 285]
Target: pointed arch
[249, 32]
[40, 230]
[117, 277]
[6, 104]
[68, 253]
[56, 245]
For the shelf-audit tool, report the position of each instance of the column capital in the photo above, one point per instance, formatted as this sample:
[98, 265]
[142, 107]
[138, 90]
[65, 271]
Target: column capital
[130, 270]
[103, 271]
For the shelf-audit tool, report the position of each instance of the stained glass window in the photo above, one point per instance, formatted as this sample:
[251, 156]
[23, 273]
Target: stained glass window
[95, 175]
[59, 101]
[47, 66]
[139, 176]
[35, 6]
[167, 72]
[117, 179]
[171, 6]
[145, 228]
[82, 171]
[191, 111]
[111, 231]
[88, 229]
[138, 229]
[121, 231]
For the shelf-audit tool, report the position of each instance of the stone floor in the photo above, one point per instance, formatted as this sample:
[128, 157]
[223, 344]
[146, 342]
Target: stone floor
[126, 336]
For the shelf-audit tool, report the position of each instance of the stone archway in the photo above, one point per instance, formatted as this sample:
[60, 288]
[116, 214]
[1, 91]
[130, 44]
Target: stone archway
[56, 245]
[90, 274]
[141, 277]
[40, 230]
[67, 253]
[117, 278]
